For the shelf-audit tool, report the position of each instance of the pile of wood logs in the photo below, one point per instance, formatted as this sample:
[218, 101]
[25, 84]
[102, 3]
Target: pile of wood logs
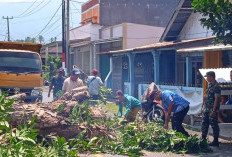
[49, 120]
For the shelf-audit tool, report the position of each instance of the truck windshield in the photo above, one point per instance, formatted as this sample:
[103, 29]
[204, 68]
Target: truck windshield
[19, 62]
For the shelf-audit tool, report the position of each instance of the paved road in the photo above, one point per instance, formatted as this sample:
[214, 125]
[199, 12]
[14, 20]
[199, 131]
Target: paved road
[225, 150]
[45, 95]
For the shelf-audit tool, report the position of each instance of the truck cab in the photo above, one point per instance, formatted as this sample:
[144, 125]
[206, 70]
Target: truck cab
[21, 69]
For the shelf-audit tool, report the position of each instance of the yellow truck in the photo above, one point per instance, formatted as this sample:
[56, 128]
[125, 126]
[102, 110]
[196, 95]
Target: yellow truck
[21, 69]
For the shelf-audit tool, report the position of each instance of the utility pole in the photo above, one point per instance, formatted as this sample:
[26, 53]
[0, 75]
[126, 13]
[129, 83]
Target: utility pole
[63, 37]
[68, 61]
[8, 26]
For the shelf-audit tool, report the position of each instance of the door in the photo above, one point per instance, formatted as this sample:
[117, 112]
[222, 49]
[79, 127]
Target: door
[104, 66]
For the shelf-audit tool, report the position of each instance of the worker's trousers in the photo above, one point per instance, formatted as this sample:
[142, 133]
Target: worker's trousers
[178, 119]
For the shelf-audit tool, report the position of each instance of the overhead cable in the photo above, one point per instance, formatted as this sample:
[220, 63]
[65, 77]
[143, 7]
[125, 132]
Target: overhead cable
[49, 21]
[37, 8]
[27, 9]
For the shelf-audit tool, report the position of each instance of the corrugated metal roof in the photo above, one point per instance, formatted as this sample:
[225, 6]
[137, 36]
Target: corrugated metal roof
[206, 48]
[222, 74]
[157, 46]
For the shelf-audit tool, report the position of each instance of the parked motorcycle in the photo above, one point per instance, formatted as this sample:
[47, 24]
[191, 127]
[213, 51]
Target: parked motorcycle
[153, 111]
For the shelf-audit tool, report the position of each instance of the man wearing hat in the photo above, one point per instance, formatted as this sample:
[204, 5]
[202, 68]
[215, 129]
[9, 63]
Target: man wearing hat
[73, 81]
[210, 108]
[94, 82]
[173, 103]
[57, 82]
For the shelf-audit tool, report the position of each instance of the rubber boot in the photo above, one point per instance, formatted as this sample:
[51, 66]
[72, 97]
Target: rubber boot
[215, 143]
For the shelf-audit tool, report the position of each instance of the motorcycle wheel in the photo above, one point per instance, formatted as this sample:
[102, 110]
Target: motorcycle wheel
[156, 116]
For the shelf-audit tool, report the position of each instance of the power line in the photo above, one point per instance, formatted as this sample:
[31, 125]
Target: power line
[35, 11]
[52, 26]
[30, 10]
[78, 10]
[27, 8]
[54, 29]
[49, 21]
[35, 19]
[3, 35]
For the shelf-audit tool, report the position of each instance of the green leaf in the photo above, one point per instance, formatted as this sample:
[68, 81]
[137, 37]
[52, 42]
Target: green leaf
[26, 139]
[92, 140]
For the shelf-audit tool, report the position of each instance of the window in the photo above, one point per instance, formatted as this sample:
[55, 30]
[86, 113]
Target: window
[227, 58]
[20, 62]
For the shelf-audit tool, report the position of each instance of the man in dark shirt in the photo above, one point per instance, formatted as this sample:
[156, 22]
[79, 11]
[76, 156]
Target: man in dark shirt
[57, 82]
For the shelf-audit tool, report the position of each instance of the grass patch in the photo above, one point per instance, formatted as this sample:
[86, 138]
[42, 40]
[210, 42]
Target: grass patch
[111, 107]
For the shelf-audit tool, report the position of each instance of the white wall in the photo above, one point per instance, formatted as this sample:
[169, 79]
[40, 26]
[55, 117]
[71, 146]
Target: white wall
[116, 32]
[86, 31]
[193, 28]
[134, 35]
[141, 35]
[105, 34]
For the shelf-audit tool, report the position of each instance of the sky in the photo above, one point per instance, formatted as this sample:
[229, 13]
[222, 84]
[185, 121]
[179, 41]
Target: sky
[31, 16]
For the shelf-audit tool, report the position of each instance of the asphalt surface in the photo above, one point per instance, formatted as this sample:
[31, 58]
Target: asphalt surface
[224, 150]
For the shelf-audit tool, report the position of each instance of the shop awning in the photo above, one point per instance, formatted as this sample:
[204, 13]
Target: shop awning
[222, 74]
[206, 48]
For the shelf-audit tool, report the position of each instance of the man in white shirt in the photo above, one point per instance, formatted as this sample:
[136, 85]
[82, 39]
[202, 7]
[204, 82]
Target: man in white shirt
[72, 82]
[94, 82]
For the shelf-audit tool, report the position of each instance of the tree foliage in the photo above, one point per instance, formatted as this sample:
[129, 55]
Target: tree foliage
[48, 72]
[217, 16]
[41, 39]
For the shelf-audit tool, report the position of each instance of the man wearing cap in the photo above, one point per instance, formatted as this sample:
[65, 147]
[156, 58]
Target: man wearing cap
[210, 108]
[94, 82]
[132, 105]
[73, 81]
[173, 103]
[57, 82]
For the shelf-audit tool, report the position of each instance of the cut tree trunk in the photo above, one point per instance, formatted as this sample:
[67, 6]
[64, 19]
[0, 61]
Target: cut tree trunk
[49, 120]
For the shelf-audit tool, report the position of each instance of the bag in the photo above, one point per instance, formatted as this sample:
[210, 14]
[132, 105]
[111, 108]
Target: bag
[91, 81]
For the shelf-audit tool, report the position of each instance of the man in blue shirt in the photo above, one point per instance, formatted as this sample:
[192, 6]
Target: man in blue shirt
[172, 102]
[132, 105]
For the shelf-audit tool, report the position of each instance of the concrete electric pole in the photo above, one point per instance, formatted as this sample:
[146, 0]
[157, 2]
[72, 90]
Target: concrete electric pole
[65, 36]
[8, 26]
[68, 61]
